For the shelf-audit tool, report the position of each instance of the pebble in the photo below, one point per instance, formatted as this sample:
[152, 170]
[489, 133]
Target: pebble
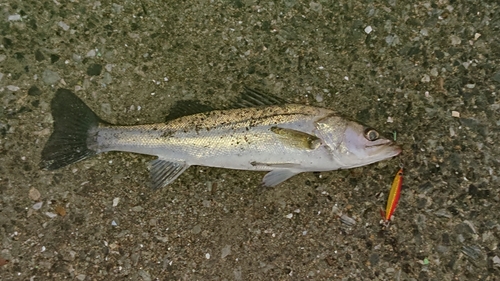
[90, 54]
[106, 108]
[368, 29]
[144, 274]
[319, 97]
[137, 209]
[50, 215]
[196, 229]
[317, 7]
[13, 88]
[50, 77]
[34, 91]
[455, 40]
[94, 69]
[81, 277]
[34, 194]
[107, 78]
[345, 219]
[116, 200]
[15, 17]
[63, 25]
[226, 251]
[496, 261]
[37, 206]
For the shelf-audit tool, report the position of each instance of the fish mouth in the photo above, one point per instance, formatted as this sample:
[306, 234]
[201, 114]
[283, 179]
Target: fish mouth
[386, 146]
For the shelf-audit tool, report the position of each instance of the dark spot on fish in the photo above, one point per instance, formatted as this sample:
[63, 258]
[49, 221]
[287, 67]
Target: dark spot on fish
[167, 134]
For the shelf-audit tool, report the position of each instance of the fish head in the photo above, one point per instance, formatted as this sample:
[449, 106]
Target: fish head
[353, 144]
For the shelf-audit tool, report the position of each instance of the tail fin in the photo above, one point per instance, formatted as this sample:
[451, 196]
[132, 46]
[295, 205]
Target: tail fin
[73, 120]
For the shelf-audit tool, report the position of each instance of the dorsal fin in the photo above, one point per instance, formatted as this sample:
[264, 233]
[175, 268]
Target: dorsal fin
[253, 98]
[187, 107]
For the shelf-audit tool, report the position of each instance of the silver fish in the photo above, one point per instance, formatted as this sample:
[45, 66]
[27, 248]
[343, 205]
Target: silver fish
[261, 134]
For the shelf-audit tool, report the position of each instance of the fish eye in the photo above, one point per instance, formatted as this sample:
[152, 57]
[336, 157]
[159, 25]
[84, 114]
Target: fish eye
[371, 134]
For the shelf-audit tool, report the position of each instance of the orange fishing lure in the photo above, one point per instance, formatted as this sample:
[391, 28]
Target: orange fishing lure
[392, 201]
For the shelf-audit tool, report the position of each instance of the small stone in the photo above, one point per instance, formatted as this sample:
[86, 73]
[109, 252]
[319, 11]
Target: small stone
[368, 29]
[34, 194]
[15, 17]
[163, 239]
[13, 88]
[60, 210]
[317, 7]
[116, 200]
[144, 274]
[289, 216]
[426, 78]
[117, 9]
[90, 54]
[63, 25]
[496, 261]
[196, 229]
[106, 108]
[81, 277]
[94, 69]
[345, 219]
[207, 256]
[50, 215]
[107, 78]
[319, 97]
[455, 40]
[455, 114]
[226, 251]
[34, 91]
[496, 77]
[137, 209]
[50, 77]
[37, 206]
[434, 72]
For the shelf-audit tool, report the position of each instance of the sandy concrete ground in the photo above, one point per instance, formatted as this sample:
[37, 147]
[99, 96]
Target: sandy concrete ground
[429, 71]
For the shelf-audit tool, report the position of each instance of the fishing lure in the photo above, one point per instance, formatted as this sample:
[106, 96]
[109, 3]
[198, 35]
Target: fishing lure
[392, 201]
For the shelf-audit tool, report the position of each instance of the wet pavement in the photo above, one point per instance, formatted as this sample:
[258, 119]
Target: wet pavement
[426, 73]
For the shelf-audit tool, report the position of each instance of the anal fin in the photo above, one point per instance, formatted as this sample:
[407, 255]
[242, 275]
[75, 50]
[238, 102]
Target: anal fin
[276, 177]
[164, 172]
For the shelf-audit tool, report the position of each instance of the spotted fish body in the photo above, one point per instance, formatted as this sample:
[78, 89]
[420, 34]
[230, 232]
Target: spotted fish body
[260, 135]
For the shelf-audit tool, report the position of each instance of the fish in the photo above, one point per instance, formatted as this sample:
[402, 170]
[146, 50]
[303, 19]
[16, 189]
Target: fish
[394, 194]
[260, 132]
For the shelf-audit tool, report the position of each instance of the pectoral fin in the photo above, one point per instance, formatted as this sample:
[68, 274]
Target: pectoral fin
[164, 172]
[276, 177]
[296, 138]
